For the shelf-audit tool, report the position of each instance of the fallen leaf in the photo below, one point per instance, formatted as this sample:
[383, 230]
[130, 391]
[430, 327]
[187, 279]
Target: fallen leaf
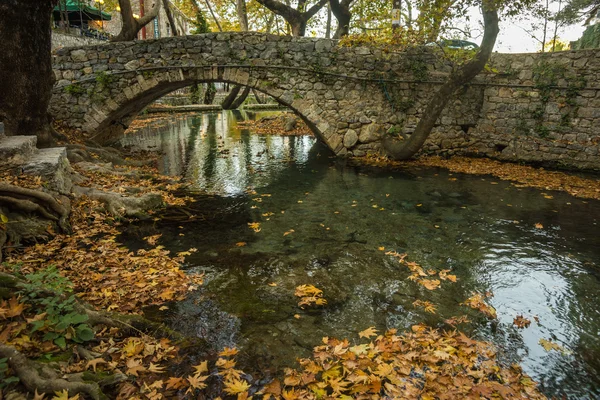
[367, 333]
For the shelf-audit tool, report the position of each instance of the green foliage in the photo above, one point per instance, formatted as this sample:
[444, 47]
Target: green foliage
[547, 77]
[590, 38]
[418, 67]
[200, 24]
[60, 321]
[195, 91]
[75, 89]
[104, 78]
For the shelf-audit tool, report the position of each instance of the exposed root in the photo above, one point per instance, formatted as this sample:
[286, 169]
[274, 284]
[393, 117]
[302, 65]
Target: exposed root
[119, 205]
[78, 153]
[36, 201]
[38, 377]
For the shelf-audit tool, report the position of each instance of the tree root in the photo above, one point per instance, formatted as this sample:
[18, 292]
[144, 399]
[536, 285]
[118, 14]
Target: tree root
[38, 377]
[77, 153]
[36, 201]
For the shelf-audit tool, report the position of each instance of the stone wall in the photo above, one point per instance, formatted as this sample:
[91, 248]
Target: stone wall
[60, 39]
[527, 107]
[541, 108]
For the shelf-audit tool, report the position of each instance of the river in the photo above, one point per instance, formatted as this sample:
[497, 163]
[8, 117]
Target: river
[329, 224]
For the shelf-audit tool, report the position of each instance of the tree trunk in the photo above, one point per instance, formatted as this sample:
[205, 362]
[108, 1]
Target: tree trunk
[240, 100]
[296, 18]
[242, 14]
[257, 97]
[328, 29]
[228, 102]
[402, 150]
[131, 25]
[170, 18]
[342, 13]
[213, 15]
[26, 65]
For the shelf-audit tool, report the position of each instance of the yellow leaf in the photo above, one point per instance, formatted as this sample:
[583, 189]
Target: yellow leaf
[367, 333]
[272, 284]
[548, 345]
[62, 395]
[201, 368]
[430, 284]
[3, 218]
[289, 232]
[381, 248]
[227, 352]
[240, 244]
[197, 382]
[255, 226]
[539, 226]
[236, 386]
[156, 368]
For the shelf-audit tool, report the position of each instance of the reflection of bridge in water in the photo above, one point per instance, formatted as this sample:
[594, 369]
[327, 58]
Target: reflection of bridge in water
[213, 153]
[348, 96]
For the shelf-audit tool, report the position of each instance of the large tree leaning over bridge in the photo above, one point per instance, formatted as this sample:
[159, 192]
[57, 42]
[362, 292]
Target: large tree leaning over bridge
[405, 149]
[297, 17]
[26, 68]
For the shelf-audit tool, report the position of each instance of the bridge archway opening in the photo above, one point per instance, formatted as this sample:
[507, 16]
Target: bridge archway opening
[117, 116]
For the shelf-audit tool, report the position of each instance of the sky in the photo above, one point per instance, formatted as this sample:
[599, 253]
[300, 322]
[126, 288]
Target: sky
[513, 39]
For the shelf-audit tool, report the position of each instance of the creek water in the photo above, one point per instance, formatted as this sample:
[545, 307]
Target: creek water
[323, 222]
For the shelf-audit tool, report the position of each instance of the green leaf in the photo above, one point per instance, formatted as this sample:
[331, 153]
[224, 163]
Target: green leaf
[84, 333]
[78, 318]
[50, 336]
[61, 342]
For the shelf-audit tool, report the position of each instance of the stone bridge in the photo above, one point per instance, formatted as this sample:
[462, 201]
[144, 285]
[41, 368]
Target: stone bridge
[528, 107]
[348, 96]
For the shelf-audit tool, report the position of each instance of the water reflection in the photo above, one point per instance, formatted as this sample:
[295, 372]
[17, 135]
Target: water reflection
[482, 229]
[217, 156]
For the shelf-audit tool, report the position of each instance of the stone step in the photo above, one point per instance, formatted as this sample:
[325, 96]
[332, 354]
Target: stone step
[53, 167]
[17, 149]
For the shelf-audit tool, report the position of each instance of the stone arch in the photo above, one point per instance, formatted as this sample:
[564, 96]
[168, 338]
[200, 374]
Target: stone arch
[109, 118]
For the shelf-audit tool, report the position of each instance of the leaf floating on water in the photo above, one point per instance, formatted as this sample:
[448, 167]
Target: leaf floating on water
[289, 232]
[539, 226]
[297, 316]
[310, 295]
[152, 239]
[477, 302]
[381, 248]
[430, 284]
[255, 226]
[272, 284]
[548, 346]
[241, 244]
[521, 322]
[425, 305]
